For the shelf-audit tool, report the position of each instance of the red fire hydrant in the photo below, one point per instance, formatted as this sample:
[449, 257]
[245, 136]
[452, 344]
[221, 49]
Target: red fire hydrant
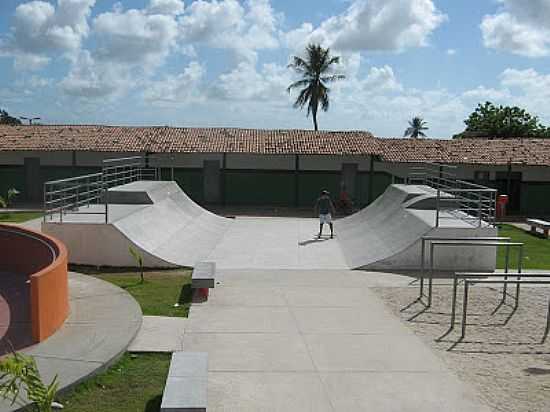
[502, 201]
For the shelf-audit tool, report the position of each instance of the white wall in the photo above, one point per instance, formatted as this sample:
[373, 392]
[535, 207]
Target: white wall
[187, 160]
[260, 162]
[332, 163]
[46, 158]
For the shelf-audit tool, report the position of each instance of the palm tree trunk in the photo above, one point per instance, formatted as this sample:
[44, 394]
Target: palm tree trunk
[315, 121]
[314, 108]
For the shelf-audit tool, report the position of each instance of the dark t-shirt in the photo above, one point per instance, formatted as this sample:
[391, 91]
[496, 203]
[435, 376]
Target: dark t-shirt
[324, 205]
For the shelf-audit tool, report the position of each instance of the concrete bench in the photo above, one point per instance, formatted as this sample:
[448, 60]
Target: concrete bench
[539, 224]
[187, 383]
[203, 278]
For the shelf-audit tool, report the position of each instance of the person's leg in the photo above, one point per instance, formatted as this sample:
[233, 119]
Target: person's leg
[331, 230]
[320, 230]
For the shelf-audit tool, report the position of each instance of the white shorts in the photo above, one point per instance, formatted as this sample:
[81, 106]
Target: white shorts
[325, 218]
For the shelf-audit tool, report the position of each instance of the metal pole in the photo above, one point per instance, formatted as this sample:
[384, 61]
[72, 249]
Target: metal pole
[520, 267]
[506, 269]
[479, 209]
[437, 207]
[464, 308]
[422, 258]
[453, 306]
[430, 281]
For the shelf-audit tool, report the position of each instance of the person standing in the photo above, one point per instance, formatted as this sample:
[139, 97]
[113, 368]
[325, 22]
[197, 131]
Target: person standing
[325, 208]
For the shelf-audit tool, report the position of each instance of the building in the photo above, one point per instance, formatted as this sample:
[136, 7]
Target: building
[272, 167]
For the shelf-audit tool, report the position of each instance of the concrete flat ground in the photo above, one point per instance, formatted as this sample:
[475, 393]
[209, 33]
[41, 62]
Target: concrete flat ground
[291, 340]
[277, 243]
[103, 321]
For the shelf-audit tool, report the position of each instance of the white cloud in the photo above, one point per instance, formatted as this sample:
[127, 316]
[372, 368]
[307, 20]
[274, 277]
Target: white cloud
[246, 83]
[179, 89]
[451, 52]
[133, 36]
[227, 24]
[375, 25]
[91, 79]
[521, 27]
[40, 29]
[170, 7]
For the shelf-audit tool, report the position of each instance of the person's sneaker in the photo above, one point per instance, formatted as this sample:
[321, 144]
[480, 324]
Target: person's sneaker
[332, 236]
[319, 236]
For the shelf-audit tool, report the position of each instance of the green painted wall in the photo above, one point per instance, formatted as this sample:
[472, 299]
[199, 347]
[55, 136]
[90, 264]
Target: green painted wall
[381, 181]
[259, 188]
[12, 176]
[535, 199]
[312, 183]
[190, 180]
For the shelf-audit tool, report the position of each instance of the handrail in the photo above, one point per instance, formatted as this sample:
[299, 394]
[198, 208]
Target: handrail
[68, 196]
[470, 202]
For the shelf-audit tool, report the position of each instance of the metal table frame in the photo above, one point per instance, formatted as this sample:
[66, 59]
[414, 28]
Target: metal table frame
[472, 241]
[468, 282]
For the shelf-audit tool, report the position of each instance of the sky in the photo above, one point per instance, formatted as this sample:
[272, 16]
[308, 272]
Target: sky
[224, 63]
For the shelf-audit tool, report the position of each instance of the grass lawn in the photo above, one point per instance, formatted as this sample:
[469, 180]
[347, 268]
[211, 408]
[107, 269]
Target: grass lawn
[135, 383]
[536, 249]
[18, 217]
[158, 294]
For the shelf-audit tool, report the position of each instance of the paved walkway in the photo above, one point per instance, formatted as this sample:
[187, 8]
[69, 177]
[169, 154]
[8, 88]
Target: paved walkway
[315, 341]
[103, 321]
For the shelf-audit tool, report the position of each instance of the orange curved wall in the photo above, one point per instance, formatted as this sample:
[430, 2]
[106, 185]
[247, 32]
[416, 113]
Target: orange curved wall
[28, 253]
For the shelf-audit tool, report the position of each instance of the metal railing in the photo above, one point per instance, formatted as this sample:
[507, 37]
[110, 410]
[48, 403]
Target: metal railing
[76, 195]
[469, 202]
[68, 196]
[125, 170]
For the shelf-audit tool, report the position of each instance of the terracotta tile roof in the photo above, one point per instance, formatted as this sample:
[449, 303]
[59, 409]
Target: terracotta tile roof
[535, 152]
[185, 140]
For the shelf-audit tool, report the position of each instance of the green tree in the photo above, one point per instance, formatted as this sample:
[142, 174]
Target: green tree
[5, 118]
[416, 128]
[18, 375]
[139, 260]
[7, 201]
[503, 122]
[316, 72]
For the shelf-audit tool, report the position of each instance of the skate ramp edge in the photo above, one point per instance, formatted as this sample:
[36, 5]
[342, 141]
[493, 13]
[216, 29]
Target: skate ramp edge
[386, 235]
[100, 244]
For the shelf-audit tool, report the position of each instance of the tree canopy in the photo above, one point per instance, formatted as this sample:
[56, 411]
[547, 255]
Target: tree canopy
[5, 118]
[416, 128]
[316, 72]
[503, 122]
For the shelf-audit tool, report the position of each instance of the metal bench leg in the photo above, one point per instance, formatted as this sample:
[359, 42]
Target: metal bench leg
[520, 268]
[430, 281]
[422, 257]
[464, 308]
[453, 310]
[506, 270]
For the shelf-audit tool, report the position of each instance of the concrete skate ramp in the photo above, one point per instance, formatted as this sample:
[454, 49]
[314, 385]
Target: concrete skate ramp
[156, 218]
[169, 229]
[386, 235]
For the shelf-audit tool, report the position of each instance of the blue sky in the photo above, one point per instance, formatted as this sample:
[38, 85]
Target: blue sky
[224, 62]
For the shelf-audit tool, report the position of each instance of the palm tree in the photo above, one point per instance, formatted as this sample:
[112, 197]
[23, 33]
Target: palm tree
[416, 128]
[316, 73]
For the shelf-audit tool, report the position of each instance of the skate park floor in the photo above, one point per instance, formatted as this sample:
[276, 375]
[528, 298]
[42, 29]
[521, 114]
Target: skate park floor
[317, 340]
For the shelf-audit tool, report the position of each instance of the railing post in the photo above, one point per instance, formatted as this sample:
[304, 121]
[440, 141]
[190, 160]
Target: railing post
[480, 205]
[437, 205]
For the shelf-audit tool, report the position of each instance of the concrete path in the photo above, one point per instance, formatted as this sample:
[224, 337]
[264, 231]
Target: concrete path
[103, 321]
[277, 243]
[159, 334]
[315, 341]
